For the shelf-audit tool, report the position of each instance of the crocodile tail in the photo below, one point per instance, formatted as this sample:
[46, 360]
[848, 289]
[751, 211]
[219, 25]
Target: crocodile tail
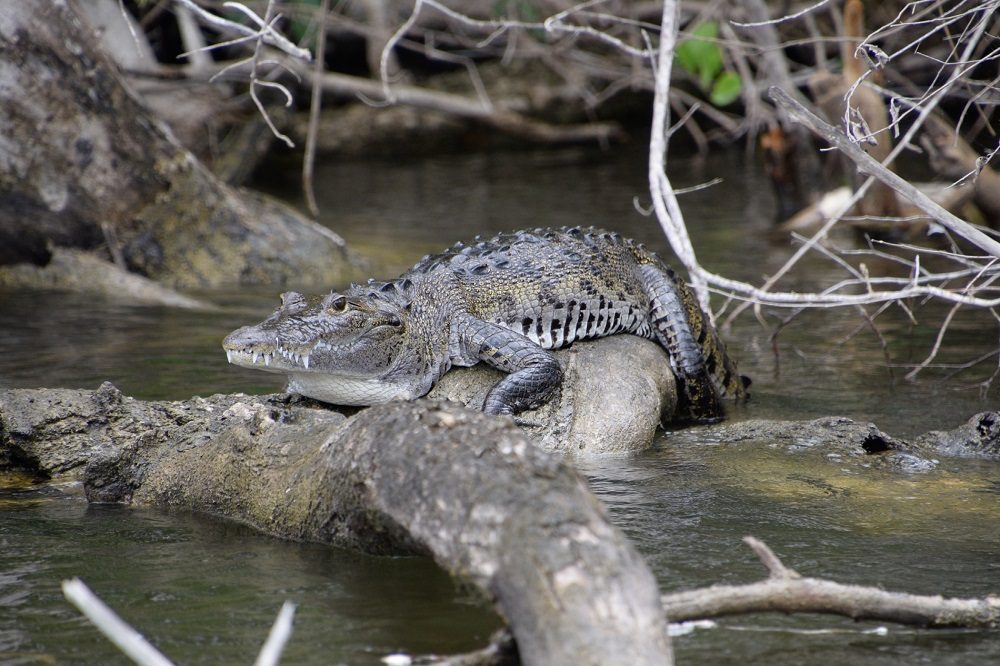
[704, 370]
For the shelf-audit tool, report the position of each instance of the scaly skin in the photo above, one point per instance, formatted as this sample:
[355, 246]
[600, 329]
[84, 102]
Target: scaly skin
[505, 301]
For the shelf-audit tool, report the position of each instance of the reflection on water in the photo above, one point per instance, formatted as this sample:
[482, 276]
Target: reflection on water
[206, 591]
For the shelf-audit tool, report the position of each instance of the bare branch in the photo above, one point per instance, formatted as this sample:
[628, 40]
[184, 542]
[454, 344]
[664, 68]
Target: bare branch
[784, 593]
[769, 559]
[871, 167]
[281, 631]
[782, 19]
[270, 36]
[668, 211]
[315, 104]
[268, 20]
[128, 640]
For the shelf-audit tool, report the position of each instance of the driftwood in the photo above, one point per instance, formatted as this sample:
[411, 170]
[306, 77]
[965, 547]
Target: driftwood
[785, 591]
[810, 218]
[87, 166]
[419, 477]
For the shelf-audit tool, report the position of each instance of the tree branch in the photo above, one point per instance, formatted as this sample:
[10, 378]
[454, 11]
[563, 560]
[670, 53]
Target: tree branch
[784, 591]
[871, 167]
[510, 122]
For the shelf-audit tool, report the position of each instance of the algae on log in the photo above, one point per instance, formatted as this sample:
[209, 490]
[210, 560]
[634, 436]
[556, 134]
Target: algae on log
[418, 477]
[78, 151]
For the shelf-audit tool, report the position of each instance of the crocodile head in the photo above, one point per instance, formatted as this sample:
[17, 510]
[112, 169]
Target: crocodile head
[338, 348]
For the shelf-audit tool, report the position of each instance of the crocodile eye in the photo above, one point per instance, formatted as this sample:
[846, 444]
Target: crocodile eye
[337, 305]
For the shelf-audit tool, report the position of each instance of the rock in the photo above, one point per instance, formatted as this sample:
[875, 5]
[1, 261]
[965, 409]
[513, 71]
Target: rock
[839, 435]
[105, 167]
[979, 436]
[615, 393]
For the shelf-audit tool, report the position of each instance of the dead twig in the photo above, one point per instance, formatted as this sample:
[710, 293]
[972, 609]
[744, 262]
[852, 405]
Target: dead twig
[315, 103]
[507, 121]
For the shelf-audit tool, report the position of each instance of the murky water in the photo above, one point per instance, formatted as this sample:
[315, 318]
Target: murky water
[206, 591]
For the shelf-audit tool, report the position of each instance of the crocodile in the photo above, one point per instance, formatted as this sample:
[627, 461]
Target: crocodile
[505, 302]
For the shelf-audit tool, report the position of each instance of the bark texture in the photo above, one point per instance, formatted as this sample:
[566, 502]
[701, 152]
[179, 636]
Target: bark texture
[78, 151]
[418, 477]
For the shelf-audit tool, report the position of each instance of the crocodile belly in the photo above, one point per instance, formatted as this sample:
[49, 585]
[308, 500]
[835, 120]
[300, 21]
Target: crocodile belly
[345, 390]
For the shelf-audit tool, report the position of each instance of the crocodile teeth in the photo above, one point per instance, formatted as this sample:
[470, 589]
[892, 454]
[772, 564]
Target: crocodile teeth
[229, 356]
[267, 359]
[305, 360]
[255, 355]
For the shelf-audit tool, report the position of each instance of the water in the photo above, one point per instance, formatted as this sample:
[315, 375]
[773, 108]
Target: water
[206, 591]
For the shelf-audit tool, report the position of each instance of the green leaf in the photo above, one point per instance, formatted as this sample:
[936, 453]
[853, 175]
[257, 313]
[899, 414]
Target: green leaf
[699, 56]
[298, 28]
[726, 89]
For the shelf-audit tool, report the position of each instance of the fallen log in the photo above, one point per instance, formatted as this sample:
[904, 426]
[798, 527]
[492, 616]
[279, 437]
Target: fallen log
[418, 477]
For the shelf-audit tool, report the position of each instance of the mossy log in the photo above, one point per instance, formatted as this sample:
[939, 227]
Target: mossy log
[85, 164]
[419, 477]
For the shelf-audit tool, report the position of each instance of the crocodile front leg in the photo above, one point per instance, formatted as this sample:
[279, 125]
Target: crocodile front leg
[534, 376]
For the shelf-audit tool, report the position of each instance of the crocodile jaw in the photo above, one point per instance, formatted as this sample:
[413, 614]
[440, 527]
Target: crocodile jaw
[269, 359]
[346, 390]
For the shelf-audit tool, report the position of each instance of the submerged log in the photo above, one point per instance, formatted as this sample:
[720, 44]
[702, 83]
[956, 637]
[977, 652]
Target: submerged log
[469, 490]
[81, 152]
[418, 477]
